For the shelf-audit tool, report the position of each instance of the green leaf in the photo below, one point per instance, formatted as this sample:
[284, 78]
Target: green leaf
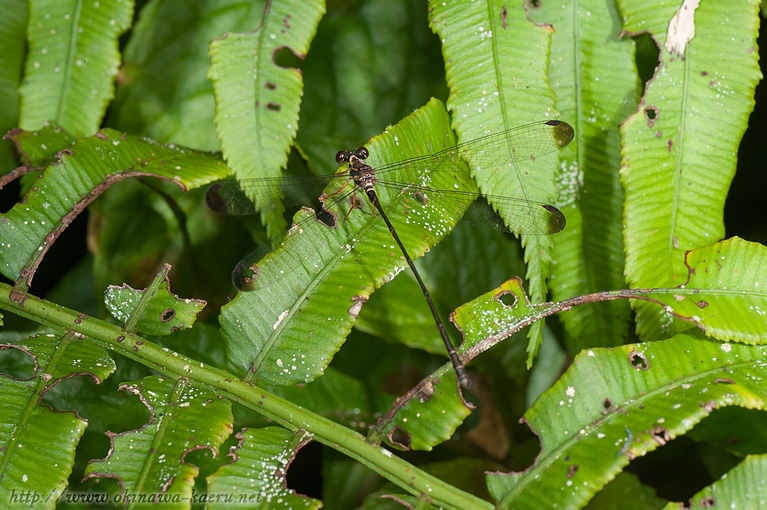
[616, 404]
[154, 310]
[725, 293]
[468, 262]
[164, 92]
[650, 17]
[334, 395]
[425, 416]
[678, 148]
[496, 61]
[258, 470]
[720, 297]
[12, 25]
[345, 482]
[496, 315]
[625, 492]
[38, 442]
[288, 330]
[40, 148]
[742, 487]
[80, 175]
[72, 61]
[405, 475]
[150, 461]
[594, 76]
[430, 413]
[371, 62]
[257, 101]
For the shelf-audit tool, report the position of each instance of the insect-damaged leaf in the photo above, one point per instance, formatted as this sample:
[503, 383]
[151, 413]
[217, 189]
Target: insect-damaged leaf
[288, 331]
[725, 293]
[259, 466]
[38, 442]
[154, 310]
[149, 461]
[81, 173]
[615, 404]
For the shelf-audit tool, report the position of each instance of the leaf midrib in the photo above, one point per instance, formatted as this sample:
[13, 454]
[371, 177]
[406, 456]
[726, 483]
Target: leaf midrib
[66, 86]
[534, 471]
[681, 135]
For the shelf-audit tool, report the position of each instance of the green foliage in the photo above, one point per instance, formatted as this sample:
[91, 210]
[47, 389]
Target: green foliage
[513, 90]
[154, 311]
[594, 74]
[288, 331]
[81, 172]
[692, 120]
[657, 391]
[71, 62]
[140, 459]
[276, 93]
[332, 343]
[28, 425]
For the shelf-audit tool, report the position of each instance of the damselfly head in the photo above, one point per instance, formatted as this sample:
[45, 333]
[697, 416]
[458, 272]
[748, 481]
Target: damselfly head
[345, 156]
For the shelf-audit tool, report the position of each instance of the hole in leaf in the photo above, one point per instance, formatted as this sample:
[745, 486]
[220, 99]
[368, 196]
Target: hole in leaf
[647, 53]
[304, 474]
[16, 363]
[652, 114]
[355, 202]
[198, 456]
[326, 217]
[639, 360]
[60, 390]
[284, 57]
[507, 299]
[60, 255]
[400, 437]
[522, 431]
[677, 470]
[269, 85]
[244, 275]
[607, 404]
[167, 314]
[275, 107]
